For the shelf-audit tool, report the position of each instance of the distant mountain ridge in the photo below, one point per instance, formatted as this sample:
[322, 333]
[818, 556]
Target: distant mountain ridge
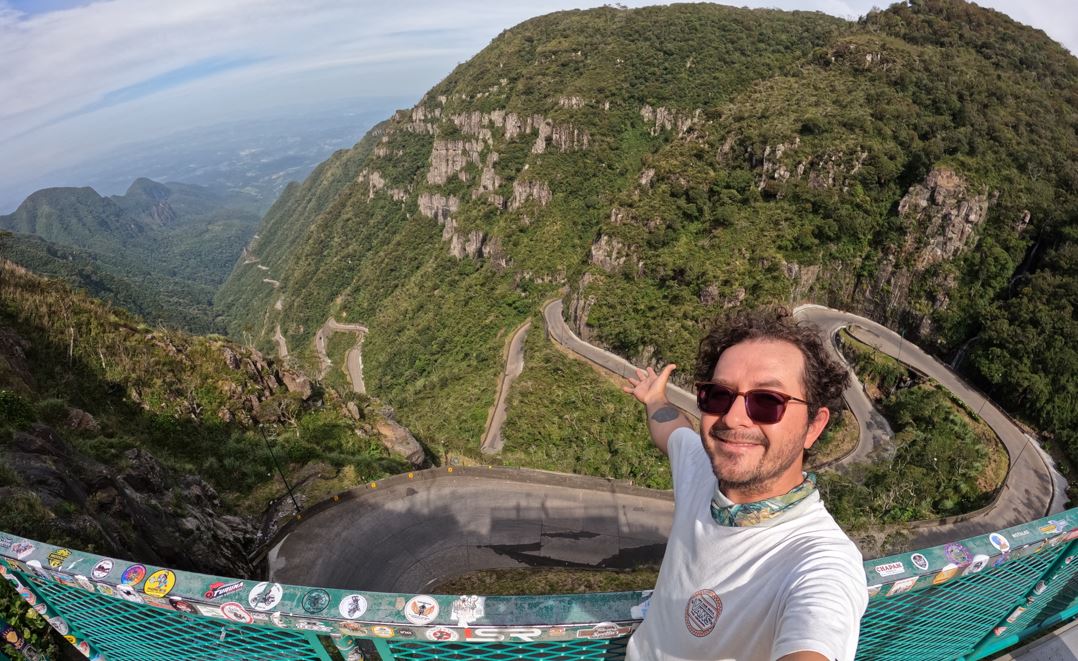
[161, 250]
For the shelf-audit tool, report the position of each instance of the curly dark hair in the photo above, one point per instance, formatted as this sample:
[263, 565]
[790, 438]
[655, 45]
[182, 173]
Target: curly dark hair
[823, 379]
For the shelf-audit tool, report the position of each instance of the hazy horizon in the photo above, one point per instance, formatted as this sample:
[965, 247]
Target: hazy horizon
[84, 78]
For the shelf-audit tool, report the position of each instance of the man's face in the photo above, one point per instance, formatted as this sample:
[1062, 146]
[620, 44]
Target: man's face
[752, 459]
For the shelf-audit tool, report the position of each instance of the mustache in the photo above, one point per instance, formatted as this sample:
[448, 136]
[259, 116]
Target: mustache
[723, 433]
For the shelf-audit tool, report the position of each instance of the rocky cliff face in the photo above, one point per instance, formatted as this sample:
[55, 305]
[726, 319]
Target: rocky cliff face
[941, 216]
[142, 511]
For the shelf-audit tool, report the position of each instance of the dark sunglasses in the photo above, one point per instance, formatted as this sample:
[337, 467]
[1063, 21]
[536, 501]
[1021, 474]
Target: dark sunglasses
[765, 407]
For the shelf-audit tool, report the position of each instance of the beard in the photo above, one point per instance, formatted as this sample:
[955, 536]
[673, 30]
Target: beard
[755, 471]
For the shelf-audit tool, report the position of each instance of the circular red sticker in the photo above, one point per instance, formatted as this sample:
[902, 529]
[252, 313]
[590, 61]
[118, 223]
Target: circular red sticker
[702, 612]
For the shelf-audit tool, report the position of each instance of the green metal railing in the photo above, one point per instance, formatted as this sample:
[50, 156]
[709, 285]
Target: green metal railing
[963, 600]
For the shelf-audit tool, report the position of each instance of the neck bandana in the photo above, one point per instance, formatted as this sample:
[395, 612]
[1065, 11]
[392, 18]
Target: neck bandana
[726, 513]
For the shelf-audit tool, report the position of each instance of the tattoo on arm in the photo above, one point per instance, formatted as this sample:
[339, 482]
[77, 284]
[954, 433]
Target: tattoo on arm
[665, 414]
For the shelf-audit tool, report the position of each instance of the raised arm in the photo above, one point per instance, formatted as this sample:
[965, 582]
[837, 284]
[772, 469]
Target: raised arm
[649, 389]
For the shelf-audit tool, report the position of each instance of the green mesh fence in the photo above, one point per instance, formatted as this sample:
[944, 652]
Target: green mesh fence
[963, 600]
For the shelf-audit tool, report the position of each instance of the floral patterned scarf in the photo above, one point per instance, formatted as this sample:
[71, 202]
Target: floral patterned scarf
[750, 514]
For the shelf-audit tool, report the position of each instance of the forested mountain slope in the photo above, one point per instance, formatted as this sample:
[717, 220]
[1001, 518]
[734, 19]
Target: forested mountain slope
[154, 444]
[919, 166]
[159, 250]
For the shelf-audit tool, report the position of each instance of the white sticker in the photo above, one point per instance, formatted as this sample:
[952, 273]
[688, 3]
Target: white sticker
[890, 568]
[421, 609]
[265, 596]
[979, 562]
[352, 606]
[442, 634]
[905, 585]
[919, 561]
[102, 569]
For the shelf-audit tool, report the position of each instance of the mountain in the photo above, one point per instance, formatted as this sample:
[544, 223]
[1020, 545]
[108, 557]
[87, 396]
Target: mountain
[661, 164]
[154, 444]
[160, 250]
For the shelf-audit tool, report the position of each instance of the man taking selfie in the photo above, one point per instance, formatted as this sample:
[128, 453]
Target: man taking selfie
[755, 567]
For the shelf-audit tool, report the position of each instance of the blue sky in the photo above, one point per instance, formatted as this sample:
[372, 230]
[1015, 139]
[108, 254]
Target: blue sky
[79, 77]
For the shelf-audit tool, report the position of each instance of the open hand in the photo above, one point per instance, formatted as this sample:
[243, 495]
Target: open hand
[649, 387]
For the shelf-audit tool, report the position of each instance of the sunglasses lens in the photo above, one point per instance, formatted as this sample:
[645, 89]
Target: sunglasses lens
[765, 407]
[714, 399]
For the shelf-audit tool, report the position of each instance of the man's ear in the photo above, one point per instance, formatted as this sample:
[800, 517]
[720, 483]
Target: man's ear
[816, 426]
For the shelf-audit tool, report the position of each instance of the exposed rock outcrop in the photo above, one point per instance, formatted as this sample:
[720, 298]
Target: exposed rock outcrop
[437, 206]
[941, 217]
[397, 439]
[448, 158]
[142, 512]
[529, 189]
[665, 119]
[609, 253]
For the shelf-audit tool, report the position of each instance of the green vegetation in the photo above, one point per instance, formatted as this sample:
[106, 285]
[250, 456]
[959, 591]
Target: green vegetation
[159, 250]
[610, 440]
[32, 627]
[768, 165]
[549, 581]
[186, 399]
[945, 462]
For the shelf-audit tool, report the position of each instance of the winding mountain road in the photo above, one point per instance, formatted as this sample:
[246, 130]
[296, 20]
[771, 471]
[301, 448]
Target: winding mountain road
[353, 359]
[1032, 489]
[411, 531]
[492, 441]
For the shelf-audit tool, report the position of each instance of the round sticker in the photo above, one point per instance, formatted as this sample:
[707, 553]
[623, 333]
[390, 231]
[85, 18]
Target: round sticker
[979, 562]
[958, 554]
[352, 606]
[947, 573]
[181, 605]
[315, 601]
[421, 609]
[106, 589]
[382, 631]
[83, 647]
[1000, 542]
[84, 583]
[873, 590]
[919, 561]
[236, 612]
[442, 634]
[128, 593]
[702, 612]
[265, 596]
[159, 583]
[133, 574]
[59, 624]
[102, 569]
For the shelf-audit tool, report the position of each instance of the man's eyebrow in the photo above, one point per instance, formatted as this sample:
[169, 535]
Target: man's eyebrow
[770, 383]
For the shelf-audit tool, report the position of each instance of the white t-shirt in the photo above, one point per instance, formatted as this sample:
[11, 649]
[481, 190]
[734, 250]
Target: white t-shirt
[792, 583]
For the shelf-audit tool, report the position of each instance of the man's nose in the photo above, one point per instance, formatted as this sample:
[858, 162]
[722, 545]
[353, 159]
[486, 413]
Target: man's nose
[738, 415]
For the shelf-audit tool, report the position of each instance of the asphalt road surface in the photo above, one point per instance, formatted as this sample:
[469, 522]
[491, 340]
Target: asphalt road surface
[875, 439]
[560, 333]
[1033, 487]
[353, 359]
[406, 534]
[492, 441]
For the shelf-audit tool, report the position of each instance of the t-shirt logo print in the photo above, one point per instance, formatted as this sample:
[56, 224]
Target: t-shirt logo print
[702, 612]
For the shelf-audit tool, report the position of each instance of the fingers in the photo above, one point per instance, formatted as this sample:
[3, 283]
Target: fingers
[664, 376]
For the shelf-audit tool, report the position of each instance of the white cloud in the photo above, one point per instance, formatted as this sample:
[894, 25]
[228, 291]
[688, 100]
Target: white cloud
[84, 77]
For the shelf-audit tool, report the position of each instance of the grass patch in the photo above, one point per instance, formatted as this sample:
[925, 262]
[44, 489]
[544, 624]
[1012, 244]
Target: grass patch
[549, 581]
